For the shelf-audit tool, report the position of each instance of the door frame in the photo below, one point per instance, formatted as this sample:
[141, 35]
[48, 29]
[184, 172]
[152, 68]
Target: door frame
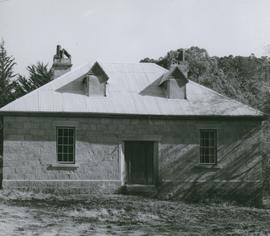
[123, 160]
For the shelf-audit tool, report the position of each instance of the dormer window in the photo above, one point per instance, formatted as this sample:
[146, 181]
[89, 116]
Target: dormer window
[95, 86]
[174, 83]
[96, 82]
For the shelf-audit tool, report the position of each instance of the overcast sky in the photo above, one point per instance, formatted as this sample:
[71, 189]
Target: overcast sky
[129, 30]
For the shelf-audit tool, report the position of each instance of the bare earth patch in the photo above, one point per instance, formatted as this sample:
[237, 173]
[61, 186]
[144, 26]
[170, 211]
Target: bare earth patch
[41, 214]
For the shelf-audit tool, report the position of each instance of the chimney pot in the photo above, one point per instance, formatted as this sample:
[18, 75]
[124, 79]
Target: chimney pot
[58, 48]
[181, 55]
[61, 62]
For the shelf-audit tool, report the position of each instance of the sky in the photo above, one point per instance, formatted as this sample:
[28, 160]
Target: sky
[130, 30]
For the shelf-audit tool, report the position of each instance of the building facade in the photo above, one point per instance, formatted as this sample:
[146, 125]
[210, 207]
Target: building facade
[111, 128]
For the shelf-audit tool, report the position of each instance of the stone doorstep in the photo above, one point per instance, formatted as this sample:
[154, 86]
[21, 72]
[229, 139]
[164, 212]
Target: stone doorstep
[140, 189]
[266, 202]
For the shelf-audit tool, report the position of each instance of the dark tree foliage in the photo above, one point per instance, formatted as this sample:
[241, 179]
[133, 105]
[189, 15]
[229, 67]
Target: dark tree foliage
[246, 79]
[39, 75]
[7, 64]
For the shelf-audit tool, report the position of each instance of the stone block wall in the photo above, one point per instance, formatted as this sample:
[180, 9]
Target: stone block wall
[266, 162]
[1, 151]
[30, 151]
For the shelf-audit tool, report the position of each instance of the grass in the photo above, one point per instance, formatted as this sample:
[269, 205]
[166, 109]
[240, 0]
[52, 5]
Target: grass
[41, 214]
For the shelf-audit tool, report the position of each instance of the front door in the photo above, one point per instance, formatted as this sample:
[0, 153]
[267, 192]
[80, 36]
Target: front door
[139, 160]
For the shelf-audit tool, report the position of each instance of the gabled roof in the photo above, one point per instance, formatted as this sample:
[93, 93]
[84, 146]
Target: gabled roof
[175, 72]
[131, 89]
[97, 70]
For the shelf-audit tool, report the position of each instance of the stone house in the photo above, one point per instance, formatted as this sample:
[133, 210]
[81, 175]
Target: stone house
[112, 127]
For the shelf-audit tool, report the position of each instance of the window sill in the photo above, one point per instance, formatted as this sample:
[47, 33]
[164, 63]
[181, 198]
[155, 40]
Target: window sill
[208, 166]
[63, 166]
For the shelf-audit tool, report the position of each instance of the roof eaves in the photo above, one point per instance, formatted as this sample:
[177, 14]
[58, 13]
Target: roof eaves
[130, 115]
[59, 82]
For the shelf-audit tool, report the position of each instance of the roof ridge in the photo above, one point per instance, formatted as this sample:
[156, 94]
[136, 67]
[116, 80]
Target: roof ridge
[119, 62]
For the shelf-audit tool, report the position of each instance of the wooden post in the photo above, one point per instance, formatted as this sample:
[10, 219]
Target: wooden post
[123, 166]
[156, 163]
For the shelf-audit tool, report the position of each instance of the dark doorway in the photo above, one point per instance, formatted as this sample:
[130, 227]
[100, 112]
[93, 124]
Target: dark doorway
[139, 157]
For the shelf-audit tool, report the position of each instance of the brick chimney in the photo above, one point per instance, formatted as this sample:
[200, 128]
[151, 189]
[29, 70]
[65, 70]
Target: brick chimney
[61, 62]
[181, 63]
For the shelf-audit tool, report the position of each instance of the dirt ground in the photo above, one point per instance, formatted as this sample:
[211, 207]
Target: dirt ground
[32, 214]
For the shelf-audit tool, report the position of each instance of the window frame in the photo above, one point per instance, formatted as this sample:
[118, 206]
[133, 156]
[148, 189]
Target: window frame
[74, 144]
[215, 131]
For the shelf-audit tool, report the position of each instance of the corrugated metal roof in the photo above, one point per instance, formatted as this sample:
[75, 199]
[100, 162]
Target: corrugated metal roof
[132, 89]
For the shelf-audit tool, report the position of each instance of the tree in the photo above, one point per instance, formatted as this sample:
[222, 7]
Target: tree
[39, 75]
[246, 79]
[7, 64]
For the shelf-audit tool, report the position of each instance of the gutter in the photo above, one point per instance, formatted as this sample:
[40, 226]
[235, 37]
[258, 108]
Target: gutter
[261, 117]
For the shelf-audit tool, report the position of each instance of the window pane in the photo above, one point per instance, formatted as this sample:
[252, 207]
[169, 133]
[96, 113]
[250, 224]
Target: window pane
[65, 144]
[206, 152]
[65, 157]
[65, 132]
[211, 159]
[60, 140]
[203, 135]
[60, 132]
[65, 140]
[70, 132]
[70, 157]
[59, 157]
[202, 152]
[212, 142]
[208, 147]
[202, 142]
[211, 151]
[60, 149]
[70, 149]
[70, 140]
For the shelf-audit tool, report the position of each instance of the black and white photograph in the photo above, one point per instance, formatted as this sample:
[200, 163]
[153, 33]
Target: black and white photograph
[134, 117]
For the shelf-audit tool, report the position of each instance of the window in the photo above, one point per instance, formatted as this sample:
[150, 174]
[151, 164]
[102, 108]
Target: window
[208, 146]
[65, 144]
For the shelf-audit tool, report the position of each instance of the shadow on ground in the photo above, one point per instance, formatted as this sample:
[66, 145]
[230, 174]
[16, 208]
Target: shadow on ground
[40, 214]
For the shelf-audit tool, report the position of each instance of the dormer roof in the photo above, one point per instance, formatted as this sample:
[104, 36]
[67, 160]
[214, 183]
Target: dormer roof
[97, 70]
[175, 72]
